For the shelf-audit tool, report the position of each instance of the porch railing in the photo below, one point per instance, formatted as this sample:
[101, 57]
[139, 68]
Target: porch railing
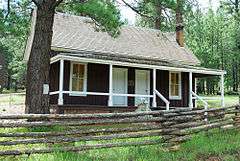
[118, 94]
[163, 99]
[196, 97]
[102, 94]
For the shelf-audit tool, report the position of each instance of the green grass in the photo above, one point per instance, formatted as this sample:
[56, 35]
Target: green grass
[230, 100]
[217, 144]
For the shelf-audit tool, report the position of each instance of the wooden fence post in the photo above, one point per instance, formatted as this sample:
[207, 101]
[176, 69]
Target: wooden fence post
[237, 117]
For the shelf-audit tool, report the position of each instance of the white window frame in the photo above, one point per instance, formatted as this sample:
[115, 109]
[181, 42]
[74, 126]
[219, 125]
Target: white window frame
[78, 93]
[179, 97]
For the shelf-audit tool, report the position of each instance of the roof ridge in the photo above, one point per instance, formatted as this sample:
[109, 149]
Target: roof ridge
[125, 25]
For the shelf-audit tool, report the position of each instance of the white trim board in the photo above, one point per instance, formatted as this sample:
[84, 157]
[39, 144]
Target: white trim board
[101, 94]
[100, 61]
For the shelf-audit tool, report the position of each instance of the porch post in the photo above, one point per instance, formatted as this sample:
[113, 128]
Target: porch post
[222, 90]
[190, 90]
[110, 103]
[195, 90]
[61, 74]
[154, 103]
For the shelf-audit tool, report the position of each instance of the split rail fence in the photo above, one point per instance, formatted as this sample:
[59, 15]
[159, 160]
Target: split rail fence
[21, 134]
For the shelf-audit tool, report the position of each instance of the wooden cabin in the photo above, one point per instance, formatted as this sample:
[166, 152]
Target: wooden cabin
[93, 72]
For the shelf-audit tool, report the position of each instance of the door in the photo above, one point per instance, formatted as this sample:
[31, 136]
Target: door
[120, 86]
[142, 86]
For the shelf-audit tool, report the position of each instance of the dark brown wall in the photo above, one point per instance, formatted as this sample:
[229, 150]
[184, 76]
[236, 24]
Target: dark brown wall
[163, 87]
[98, 80]
[54, 81]
[131, 87]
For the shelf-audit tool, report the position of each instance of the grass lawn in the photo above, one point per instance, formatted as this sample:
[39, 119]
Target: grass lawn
[217, 145]
[230, 100]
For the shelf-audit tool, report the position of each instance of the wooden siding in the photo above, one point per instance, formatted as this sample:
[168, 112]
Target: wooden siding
[98, 80]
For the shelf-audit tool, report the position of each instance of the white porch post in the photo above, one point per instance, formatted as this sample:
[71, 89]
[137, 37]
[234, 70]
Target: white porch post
[110, 103]
[154, 103]
[61, 74]
[190, 90]
[195, 90]
[222, 91]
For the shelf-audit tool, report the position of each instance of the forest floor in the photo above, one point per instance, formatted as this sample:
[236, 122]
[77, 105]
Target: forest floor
[12, 103]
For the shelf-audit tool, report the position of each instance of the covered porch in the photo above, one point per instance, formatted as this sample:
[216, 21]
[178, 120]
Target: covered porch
[119, 86]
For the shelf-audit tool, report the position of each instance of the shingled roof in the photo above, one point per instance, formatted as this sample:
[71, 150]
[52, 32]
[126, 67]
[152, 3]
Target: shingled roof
[76, 33]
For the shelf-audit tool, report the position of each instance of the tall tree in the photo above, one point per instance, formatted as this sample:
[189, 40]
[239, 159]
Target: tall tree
[13, 34]
[233, 8]
[39, 59]
[154, 13]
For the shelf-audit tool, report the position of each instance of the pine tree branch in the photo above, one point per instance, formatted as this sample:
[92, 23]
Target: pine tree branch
[36, 3]
[56, 4]
[232, 2]
[8, 9]
[137, 11]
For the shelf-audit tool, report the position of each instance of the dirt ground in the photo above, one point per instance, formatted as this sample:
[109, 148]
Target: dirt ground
[13, 109]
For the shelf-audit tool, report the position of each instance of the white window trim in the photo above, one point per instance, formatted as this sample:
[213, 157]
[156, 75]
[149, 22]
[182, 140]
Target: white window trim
[78, 93]
[179, 97]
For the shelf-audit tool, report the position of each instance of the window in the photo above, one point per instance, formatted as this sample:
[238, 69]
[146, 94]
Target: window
[78, 77]
[175, 85]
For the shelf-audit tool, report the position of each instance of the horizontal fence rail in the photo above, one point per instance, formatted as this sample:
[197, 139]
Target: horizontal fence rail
[57, 132]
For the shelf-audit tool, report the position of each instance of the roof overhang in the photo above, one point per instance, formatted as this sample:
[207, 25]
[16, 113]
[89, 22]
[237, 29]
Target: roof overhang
[192, 69]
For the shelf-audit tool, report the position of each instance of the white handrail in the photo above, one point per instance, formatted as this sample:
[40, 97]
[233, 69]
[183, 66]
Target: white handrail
[102, 94]
[163, 98]
[204, 102]
[201, 99]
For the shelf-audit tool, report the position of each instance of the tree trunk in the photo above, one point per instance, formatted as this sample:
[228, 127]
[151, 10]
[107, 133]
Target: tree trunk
[39, 60]
[9, 80]
[179, 23]
[158, 21]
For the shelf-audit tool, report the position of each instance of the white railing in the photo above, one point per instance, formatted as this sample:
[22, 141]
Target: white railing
[163, 98]
[102, 94]
[196, 97]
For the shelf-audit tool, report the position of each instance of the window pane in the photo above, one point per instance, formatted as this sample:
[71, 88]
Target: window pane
[172, 78]
[176, 90]
[77, 84]
[174, 84]
[78, 77]
[172, 90]
[177, 78]
[78, 70]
